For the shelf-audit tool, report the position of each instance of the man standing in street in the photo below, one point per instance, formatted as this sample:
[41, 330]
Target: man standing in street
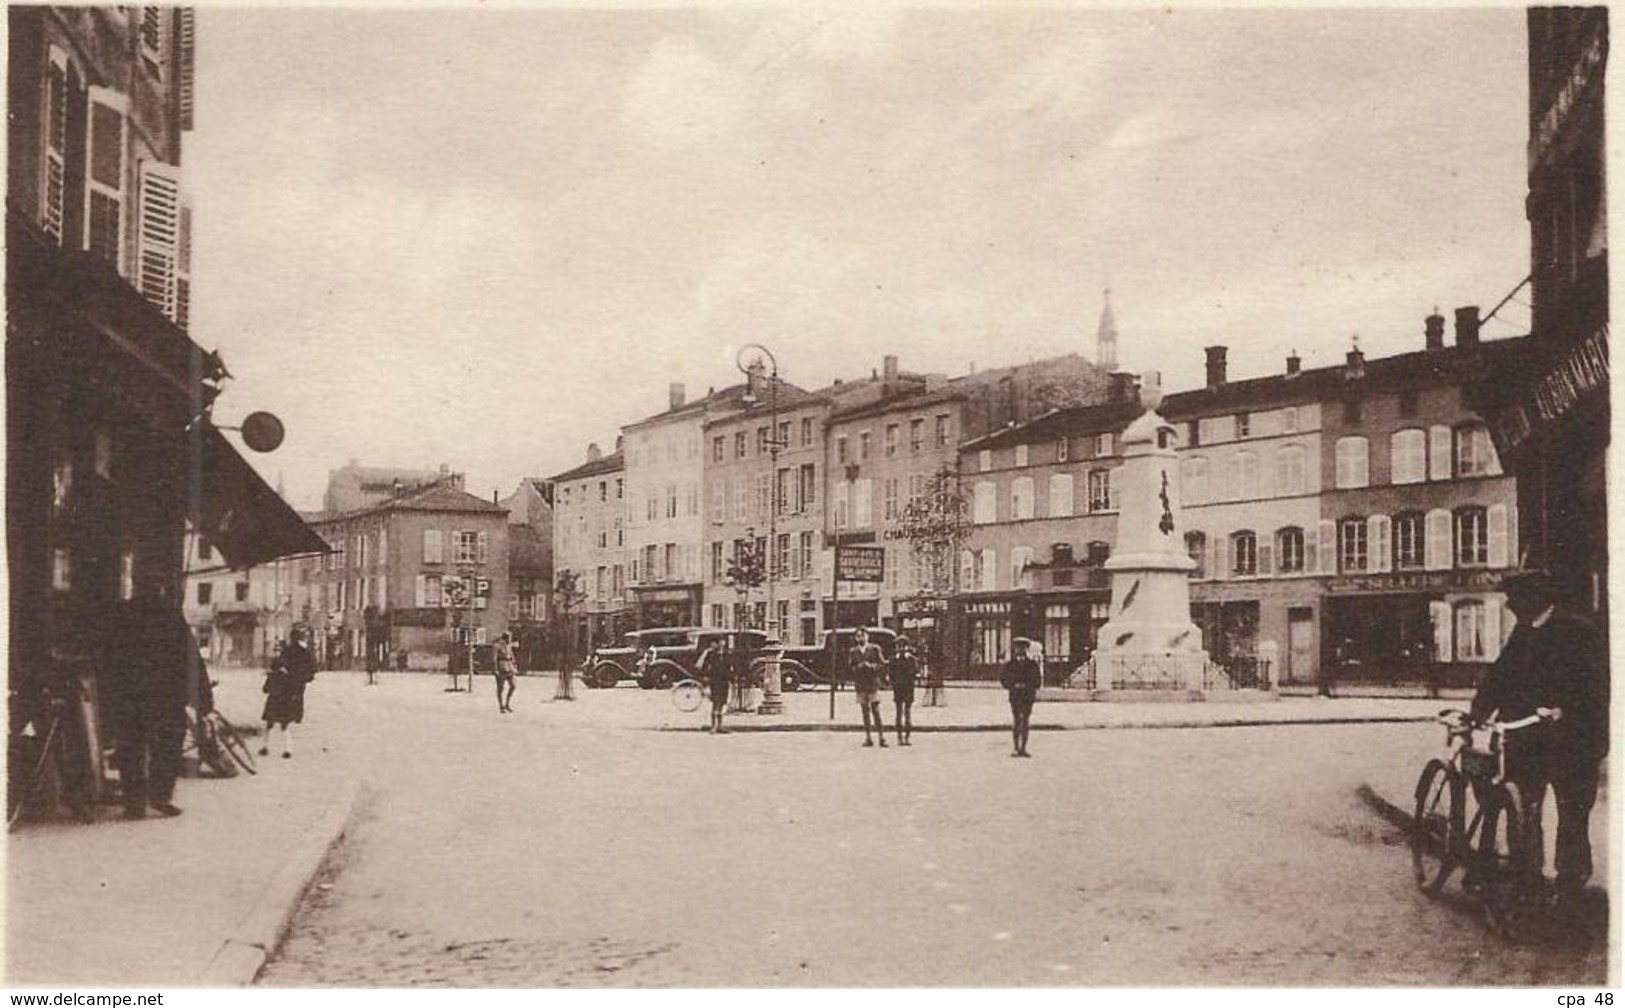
[864, 660]
[1020, 678]
[902, 672]
[1553, 659]
[716, 665]
[154, 669]
[505, 669]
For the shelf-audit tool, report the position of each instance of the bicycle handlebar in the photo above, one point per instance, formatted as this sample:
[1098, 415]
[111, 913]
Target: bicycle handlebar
[1460, 720]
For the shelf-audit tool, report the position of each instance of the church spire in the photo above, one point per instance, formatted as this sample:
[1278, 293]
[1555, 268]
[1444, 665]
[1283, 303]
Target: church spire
[1106, 337]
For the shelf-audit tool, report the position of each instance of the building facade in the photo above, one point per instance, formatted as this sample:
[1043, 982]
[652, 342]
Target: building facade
[764, 476]
[237, 616]
[105, 387]
[530, 571]
[589, 541]
[665, 526]
[417, 576]
[1549, 411]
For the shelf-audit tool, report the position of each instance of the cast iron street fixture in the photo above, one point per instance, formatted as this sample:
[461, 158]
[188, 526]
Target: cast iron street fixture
[772, 687]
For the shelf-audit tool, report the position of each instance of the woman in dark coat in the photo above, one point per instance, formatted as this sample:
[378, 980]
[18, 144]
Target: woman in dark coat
[285, 684]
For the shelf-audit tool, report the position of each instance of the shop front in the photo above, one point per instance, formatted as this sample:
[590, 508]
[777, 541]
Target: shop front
[1435, 627]
[667, 605]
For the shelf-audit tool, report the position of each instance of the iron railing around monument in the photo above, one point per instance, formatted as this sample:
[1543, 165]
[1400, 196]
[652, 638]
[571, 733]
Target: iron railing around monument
[1164, 673]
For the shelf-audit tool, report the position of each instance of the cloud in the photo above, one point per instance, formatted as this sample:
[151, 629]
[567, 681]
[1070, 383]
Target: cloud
[682, 97]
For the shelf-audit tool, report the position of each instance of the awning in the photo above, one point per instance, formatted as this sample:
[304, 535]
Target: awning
[239, 514]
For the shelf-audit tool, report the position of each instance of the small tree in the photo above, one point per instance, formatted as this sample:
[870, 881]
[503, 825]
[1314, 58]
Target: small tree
[747, 568]
[567, 594]
[936, 525]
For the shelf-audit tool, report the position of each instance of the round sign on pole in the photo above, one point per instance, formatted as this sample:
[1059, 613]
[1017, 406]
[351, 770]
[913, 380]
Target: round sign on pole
[262, 431]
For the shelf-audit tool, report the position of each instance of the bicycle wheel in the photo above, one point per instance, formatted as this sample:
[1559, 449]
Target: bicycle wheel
[1435, 829]
[1502, 891]
[232, 742]
[687, 696]
[206, 746]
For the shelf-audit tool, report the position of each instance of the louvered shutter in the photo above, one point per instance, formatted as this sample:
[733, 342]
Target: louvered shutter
[1328, 547]
[1492, 628]
[104, 177]
[185, 62]
[1266, 556]
[1311, 553]
[1442, 629]
[1379, 536]
[482, 548]
[967, 570]
[54, 197]
[1497, 515]
[159, 235]
[1440, 555]
[1439, 452]
[1217, 548]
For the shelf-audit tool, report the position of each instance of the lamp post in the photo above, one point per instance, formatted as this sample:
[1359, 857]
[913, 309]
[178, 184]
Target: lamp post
[772, 687]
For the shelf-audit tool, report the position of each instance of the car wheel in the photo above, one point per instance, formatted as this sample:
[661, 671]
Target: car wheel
[790, 676]
[603, 676]
[664, 674]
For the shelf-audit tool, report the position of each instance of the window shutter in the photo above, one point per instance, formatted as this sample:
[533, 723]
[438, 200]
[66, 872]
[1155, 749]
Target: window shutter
[1328, 547]
[1439, 551]
[53, 204]
[1379, 540]
[1441, 616]
[967, 570]
[989, 573]
[1266, 556]
[1498, 535]
[1492, 628]
[482, 547]
[104, 177]
[1217, 548]
[185, 60]
[1311, 553]
[1439, 452]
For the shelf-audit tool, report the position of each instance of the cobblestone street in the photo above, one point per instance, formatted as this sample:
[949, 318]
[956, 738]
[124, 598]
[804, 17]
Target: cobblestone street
[543, 849]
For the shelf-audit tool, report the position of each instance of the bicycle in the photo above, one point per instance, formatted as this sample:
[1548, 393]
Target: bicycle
[687, 695]
[48, 755]
[211, 735]
[1487, 842]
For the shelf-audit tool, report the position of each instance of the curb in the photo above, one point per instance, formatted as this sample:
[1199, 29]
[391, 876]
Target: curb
[256, 938]
[741, 728]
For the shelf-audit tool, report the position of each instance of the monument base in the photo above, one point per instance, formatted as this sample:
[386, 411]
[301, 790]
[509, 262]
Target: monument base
[1176, 671]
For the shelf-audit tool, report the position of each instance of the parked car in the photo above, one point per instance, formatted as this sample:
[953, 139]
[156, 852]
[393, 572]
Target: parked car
[606, 666]
[812, 664]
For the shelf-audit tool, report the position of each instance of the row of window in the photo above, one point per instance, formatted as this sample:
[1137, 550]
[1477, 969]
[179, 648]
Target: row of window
[1471, 536]
[766, 439]
[1066, 449]
[792, 557]
[1415, 455]
[343, 594]
[583, 492]
[939, 436]
[1061, 503]
[789, 491]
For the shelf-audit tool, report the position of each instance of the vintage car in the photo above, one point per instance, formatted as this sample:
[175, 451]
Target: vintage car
[607, 666]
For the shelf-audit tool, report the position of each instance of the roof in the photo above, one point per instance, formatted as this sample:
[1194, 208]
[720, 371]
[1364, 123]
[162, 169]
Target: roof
[1418, 369]
[731, 396]
[790, 397]
[604, 464]
[913, 399]
[1061, 423]
[441, 496]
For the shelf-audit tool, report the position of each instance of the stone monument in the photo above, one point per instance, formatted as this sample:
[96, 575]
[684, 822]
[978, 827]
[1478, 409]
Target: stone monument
[1150, 642]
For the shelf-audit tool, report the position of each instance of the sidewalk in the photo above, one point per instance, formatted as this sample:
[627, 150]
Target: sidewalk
[189, 901]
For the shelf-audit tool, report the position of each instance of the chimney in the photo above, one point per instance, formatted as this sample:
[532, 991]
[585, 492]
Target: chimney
[1215, 366]
[1355, 367]
[889, 368]
[676, 394]
[593, 452]
[1467, 325]
[619, 441]
[1433, 328]
[1294, 363]
[494, 499]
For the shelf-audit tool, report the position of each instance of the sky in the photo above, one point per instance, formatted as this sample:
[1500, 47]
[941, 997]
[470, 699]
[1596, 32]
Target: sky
[486, 237]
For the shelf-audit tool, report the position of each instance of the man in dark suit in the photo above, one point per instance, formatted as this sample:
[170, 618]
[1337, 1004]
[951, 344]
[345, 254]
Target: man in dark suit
[154, 670]
[1557, 660]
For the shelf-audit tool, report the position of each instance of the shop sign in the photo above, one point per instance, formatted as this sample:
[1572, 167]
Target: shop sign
[914, 606]
[860, 563]
[843, 538]
[1582, 371]
[663, 595]
[1415, 581]
[419, 617]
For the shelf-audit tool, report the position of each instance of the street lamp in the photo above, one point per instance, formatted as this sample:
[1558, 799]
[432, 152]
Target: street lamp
[772, 687]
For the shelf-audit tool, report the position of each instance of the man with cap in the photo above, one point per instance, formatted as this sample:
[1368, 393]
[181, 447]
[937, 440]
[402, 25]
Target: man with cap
[903, 669]
[1556, 660]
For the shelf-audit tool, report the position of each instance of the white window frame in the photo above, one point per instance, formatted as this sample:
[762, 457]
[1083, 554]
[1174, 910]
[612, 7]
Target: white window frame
[1407, 456]
[1100, 491]
[1353, 462]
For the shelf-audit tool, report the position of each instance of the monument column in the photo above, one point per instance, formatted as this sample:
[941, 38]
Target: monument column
[1150, 641]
